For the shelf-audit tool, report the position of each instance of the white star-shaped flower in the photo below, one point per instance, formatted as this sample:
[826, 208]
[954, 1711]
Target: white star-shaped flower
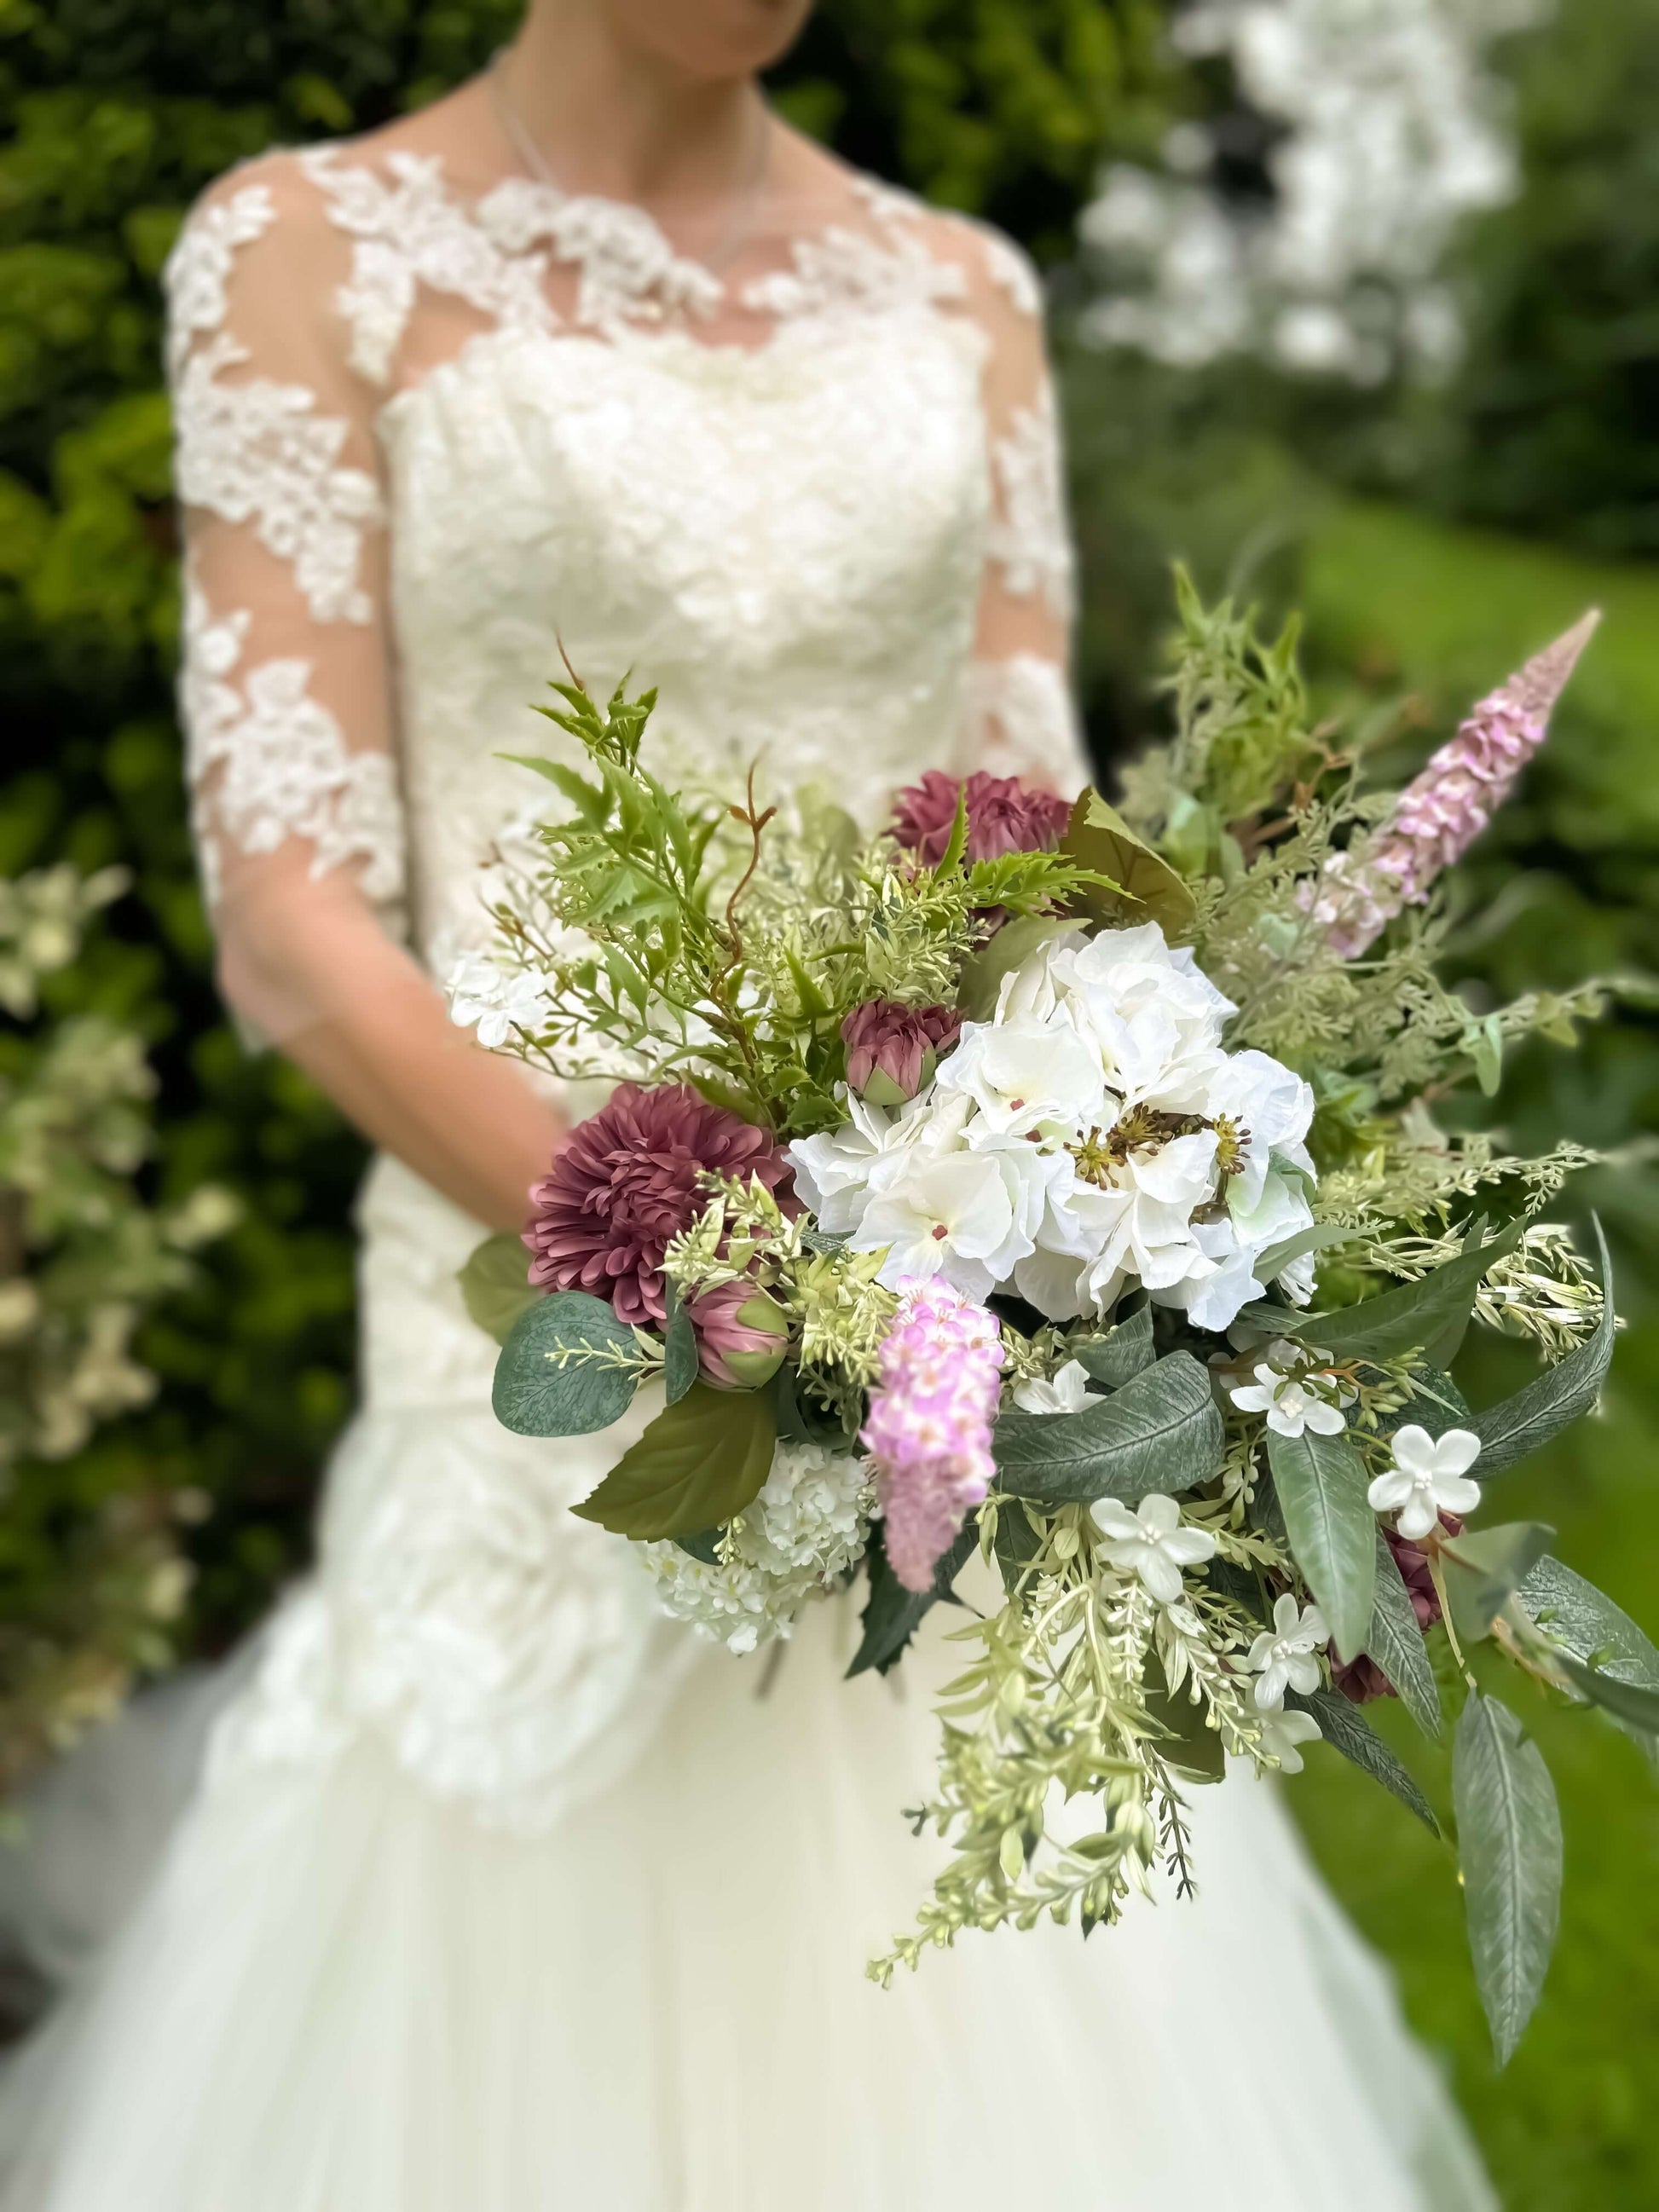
[1281, 1733]
[1283, 1654]
[1152, 1542]
[1066, 1392]
[1290, 1405]
[1429, 1477]
[480, 992]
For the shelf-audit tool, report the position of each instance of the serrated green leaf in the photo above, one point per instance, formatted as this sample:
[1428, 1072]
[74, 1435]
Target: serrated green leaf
[1119, 1356]
[496, 1285]
[1146, 887]
[1484, 1567]
[1343, 1728]
[699, 1462]
[1519, 1425]
[588, 801]
[1429, 1315]
[536, 1393]
[892, 1614]
[1585, 1623]
[679, 1351]
[1321, 1483]
[1509, 1838]
[1395, 1642]
[1161, 1432]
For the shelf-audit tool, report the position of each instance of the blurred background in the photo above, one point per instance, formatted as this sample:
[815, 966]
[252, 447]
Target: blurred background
[1356, 308]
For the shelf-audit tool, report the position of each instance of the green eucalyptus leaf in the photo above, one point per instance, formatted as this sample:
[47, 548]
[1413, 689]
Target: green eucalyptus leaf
[1320, 1237]
[1627, 1701]
[1429, 1315]
[496, 1285]
[1119, 1356]
[1519, 1425]
[1483, 1568]
[679, 1353]
[1395, 1642]
[1586, 1624]
[1147, 888]
[1508, 1840]
[699, 1463]
[892, 1614]
[568, 1367]
[1342, 1726]
[704, 1544]
[982, 972]
[1160, 1432]
[1321, 1483]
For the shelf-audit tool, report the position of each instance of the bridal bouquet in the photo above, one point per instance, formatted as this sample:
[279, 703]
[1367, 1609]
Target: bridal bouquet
[1063, 1186]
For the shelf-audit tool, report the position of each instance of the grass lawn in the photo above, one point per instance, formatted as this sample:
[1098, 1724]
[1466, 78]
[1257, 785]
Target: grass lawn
[1568, 2126]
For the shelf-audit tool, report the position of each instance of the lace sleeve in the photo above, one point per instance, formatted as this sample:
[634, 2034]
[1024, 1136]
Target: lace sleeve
[285, 689]
[1021, 719]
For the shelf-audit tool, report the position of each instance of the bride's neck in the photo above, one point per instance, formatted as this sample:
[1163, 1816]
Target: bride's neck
[612, 118]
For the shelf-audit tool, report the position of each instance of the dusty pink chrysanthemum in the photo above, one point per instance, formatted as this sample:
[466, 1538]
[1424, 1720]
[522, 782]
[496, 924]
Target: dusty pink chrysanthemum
[1443, 810]
[929, 1432]
[1004, 815]
[628, 1182]
[892, 1048]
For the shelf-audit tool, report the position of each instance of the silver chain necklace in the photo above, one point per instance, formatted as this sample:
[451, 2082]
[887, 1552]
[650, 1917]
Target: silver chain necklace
[739, 226]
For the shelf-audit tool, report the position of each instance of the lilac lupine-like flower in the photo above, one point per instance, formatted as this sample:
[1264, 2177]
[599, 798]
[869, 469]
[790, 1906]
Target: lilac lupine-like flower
[1443, 810]
[929, 1427]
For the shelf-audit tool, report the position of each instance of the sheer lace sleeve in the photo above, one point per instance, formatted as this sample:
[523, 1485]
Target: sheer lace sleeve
[1021, 719]
[285, 685]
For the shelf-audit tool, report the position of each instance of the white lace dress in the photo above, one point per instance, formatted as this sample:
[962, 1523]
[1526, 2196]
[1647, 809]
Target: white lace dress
[496, 1892]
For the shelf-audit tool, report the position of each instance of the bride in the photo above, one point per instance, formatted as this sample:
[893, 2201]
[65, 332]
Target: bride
[494, 1893]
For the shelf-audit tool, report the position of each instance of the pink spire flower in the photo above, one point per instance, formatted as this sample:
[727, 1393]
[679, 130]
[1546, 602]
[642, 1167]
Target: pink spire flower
[929, 1426]
[1443, 810]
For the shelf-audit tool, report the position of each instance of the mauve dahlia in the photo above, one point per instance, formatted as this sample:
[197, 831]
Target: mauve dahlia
[1004, 815]
[891, 1049]
[928, 1432]
[625, 1186]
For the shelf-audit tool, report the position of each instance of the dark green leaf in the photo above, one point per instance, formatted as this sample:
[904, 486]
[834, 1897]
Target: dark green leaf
[1319, 1239]
[1119, 1356]
[1017, 1540]
[1518, 1426]
[1147, 888]
[699, 1463]
[1509, 1841]
[704, 1546]
[1628, 1701]
[1321, 1482]
[1395, 1642]
[496, 1285]
[679, 1353]
[537, 1395]
[1436, 1404]
[1429, 1315]
[1603, 1638]
[892, 1614]
[1160, 1432]
[1345, 1731]
[1484, 1567]
[1192, 1748]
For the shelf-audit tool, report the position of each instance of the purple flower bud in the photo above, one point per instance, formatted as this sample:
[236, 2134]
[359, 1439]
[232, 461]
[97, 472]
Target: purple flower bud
[892, 1050]
[742, 1334]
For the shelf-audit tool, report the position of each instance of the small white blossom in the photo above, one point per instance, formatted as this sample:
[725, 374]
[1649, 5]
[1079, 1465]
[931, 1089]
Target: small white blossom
[1429, 1477]
[1283, 1656]
[1151, 1543]
[1290, 1405]
[1066, 1392]
[1281, 1733]
[498, 1003]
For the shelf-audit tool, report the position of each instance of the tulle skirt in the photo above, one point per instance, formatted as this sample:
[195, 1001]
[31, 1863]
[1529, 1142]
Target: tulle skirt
[342, 1994]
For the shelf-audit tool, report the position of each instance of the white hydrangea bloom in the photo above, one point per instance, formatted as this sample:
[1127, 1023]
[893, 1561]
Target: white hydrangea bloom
[1283, 1654]
[496, 1000]
[1066, 1391]
[809, 1523]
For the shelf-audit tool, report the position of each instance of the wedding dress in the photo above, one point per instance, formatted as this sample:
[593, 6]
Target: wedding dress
[496, 1892]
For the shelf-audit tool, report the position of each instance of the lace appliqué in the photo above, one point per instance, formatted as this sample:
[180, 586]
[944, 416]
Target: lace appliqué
[837, 269]
[1019, 720]
[627, 272]
[267, 763]
[1028, 539]
[198, 268]
[259, 453]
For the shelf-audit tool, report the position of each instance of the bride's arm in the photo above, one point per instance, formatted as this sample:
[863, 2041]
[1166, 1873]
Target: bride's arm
[286, 701]
[1021, 716]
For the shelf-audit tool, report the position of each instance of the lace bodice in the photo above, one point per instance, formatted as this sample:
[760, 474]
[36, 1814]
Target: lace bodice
[430, 434]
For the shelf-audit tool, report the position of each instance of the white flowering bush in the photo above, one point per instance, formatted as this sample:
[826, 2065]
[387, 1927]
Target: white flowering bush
[1379, 127]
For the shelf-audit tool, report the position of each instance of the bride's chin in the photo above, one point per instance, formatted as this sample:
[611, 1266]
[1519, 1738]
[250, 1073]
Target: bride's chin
[712, 39]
